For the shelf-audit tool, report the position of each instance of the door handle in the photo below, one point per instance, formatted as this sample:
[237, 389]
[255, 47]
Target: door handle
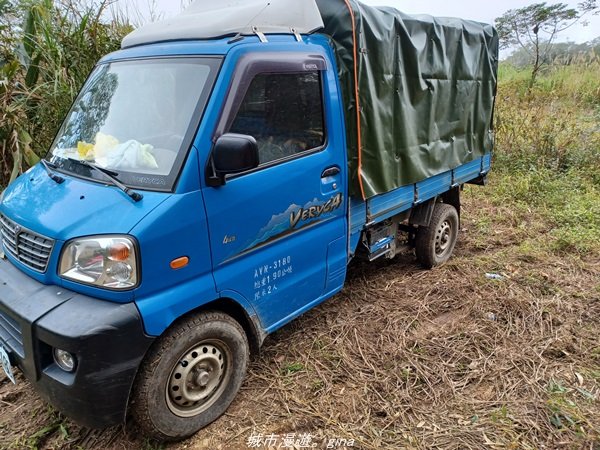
[330, 172]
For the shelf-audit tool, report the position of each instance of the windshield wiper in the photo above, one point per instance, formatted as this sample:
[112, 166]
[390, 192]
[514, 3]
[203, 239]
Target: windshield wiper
[48, 167]
[112, 176]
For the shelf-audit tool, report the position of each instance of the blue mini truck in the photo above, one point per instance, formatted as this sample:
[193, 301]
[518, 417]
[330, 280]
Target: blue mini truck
[213, 180]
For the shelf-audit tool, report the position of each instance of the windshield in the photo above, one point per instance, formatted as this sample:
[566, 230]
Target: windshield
[136, 118]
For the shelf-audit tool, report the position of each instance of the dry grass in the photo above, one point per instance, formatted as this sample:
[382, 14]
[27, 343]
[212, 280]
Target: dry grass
[405, 358]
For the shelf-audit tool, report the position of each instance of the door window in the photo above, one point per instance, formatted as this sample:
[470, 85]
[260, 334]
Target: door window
[284, 113]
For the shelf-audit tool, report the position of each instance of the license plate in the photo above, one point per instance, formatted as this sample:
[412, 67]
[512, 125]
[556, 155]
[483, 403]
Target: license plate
[5, 361]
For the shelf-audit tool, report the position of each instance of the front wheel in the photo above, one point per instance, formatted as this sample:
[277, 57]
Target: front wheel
[434, 244]
[190, 376]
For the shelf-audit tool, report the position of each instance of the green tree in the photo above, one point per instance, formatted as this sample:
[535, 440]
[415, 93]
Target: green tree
[534, 28]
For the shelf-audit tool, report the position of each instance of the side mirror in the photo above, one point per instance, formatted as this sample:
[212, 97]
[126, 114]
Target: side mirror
[235, 153]
[232, 153]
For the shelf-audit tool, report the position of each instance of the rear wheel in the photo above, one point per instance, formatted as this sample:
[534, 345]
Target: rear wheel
[190, 376]
[434, 244]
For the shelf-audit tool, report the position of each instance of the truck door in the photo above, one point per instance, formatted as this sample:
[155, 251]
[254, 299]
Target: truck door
[278, 232]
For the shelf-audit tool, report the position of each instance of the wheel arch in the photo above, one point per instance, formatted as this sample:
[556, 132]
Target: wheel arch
[421, 214]
[250, 323]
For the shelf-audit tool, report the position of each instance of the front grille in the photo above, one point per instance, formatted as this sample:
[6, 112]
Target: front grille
[10, 334]
[30, 248]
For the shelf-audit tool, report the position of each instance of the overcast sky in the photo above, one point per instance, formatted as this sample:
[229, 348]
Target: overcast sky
[484, 11]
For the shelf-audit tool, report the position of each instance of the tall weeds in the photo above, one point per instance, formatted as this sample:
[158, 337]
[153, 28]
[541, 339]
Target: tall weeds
[555, 125]
[548, 150]
[47, 49]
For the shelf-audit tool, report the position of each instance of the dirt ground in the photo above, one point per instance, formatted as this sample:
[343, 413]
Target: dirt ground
[406, 358]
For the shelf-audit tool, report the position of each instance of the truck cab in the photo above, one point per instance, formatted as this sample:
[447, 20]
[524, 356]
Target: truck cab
[263, 239]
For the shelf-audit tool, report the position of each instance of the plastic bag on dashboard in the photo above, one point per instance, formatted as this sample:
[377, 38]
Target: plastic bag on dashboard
[129, 155]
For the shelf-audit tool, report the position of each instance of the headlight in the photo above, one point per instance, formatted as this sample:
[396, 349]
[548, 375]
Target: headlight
[105, 261]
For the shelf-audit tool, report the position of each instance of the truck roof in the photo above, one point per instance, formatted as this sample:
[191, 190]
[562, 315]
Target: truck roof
[209, 19]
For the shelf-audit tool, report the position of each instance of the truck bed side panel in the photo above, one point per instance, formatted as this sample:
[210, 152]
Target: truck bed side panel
[364, 214]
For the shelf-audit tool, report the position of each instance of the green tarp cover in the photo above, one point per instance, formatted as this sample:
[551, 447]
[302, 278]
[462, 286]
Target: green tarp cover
[426, 89]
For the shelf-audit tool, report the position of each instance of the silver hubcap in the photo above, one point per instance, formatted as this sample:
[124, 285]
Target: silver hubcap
[443, 238]
[198, 379]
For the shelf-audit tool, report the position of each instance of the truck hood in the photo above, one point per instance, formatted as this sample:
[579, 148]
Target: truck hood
[74, 208]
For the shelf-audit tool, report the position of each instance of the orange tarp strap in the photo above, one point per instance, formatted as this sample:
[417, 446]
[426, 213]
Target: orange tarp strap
[359, 143]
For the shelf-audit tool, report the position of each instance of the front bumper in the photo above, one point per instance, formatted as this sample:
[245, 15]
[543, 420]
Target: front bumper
[107, 338]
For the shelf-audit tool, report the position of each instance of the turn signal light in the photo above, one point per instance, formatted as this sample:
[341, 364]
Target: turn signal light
[119, 252]
[180, 263]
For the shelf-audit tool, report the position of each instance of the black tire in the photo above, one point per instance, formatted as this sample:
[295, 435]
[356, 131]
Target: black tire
[203, 355]
[434, 244]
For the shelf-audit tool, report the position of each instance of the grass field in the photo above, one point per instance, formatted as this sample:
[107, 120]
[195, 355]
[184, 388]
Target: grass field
[449, 358]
